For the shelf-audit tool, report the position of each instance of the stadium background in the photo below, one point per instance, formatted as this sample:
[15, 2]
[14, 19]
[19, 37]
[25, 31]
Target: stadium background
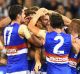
[69, 8]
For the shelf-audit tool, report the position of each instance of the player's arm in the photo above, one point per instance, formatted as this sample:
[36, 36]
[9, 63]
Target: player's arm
[3, 61]
[75, 45]
[23, 31]
[36, 40]
[1, 45]
[38, 32]
[78, 41]
[2, 48]
[4, 22]
[37, 59]
[3, 52]
[67, 21]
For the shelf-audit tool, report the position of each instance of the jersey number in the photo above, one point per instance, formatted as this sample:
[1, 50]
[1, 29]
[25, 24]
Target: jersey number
[7, 35]
[56, 48]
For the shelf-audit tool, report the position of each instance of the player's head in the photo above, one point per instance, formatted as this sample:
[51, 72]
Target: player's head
[30, 12]
[75, 26]
[45, 20]
[15, 12]
[56, 21]
[23, 14]
[34, 8]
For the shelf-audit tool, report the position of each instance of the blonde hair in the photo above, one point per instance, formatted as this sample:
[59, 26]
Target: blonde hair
[75, 26]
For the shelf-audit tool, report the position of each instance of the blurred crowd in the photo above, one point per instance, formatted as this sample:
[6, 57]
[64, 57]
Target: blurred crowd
[70, 8]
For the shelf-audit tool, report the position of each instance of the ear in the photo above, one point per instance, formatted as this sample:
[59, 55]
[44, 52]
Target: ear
[18, 16]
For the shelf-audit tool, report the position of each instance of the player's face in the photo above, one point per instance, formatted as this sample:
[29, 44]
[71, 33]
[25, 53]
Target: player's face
[28, 18]
[45, 20]
[73, 27]
[23, 16]
[39, 25]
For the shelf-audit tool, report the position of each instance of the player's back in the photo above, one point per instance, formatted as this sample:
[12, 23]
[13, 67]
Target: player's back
[57, 48]
[16, 49]
[11, 35]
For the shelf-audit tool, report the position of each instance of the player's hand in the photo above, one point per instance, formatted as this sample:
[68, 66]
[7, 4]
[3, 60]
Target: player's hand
[42, 11]
[3, 61]
[78, 41]
[75, 45]
[52, 12]
[37, 66]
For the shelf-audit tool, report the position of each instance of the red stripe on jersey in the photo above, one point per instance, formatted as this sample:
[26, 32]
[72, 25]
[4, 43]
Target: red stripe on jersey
[21, 46]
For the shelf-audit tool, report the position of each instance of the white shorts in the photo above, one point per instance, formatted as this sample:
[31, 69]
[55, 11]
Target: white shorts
[43, 72]
[20, 72]
[33, 72]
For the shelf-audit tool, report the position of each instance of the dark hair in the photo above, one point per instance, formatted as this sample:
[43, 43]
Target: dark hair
[14, 10]
[56, 21]
[31, 10]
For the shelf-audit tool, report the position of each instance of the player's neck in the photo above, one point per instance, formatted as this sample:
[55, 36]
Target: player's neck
[49, 29]
[14, 21]
[75, 35]
[58, 30]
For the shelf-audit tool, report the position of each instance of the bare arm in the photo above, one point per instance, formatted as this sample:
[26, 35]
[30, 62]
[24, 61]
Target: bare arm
[4, 22]
[36, 41]
[3, 61]
[1, 45]
[38, 32]
[76, 46]
[37, 59]
[67, 21]
[24, 32]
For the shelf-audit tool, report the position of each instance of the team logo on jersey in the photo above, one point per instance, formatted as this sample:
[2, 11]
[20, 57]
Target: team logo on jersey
[11, 51]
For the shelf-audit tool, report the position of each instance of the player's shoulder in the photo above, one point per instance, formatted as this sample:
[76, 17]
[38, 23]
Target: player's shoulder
[65, 34]
[42, 31]
[23, 26]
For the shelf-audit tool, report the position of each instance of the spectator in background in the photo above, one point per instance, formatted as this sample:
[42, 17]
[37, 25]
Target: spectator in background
[28, 3]
[52, 4]
[75, 8]
[13, 2]
[20, 2]
[68, 14]
[3, 8]
[2, 2]
[67, 4]
[61, 9]
[45, 3]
